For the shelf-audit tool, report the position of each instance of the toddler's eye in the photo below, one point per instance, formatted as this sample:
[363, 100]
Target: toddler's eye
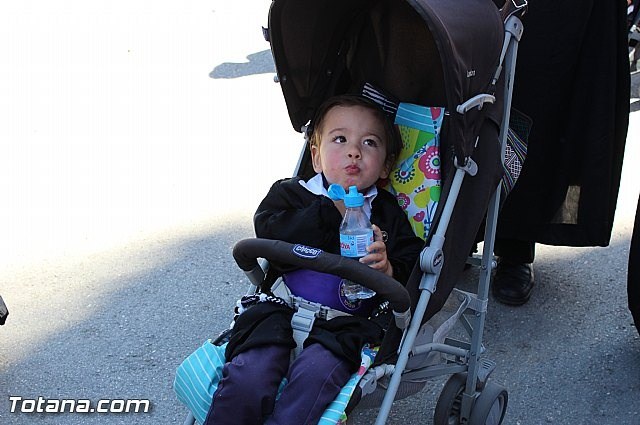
[340, 139]
[370, 142]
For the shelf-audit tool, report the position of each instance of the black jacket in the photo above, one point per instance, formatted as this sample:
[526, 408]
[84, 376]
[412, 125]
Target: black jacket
[291, 213]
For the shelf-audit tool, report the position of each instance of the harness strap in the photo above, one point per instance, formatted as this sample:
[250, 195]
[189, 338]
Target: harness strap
[301, 323]
[304, 317]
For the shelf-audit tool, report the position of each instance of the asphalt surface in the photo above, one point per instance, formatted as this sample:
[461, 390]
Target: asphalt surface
[136, 140]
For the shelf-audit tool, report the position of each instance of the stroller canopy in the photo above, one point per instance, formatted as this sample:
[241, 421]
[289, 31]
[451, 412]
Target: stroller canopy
[429, 52]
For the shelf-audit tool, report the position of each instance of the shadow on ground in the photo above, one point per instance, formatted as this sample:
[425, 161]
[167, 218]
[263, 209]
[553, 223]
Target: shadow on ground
[137, 333]
[569, 355]
[257, 63]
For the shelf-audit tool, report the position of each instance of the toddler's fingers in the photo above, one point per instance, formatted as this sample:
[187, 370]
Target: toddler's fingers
[377, 233]
[378, 261]
[377, 246]
[374, 260]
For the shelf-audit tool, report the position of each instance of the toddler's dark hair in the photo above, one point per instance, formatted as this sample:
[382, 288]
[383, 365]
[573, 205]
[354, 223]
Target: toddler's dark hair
[393, 142]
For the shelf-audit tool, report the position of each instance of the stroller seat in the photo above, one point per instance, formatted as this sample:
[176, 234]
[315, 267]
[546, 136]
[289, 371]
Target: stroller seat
[198, 376]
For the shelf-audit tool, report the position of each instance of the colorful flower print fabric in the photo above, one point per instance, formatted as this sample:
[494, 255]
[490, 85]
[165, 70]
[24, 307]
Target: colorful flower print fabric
[416, 179]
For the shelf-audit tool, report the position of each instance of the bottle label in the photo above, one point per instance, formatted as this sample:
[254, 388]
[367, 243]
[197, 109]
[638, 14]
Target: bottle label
[355, 246]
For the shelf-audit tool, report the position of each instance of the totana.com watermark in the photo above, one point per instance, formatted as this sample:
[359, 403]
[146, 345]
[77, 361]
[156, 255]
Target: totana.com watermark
[49, 405]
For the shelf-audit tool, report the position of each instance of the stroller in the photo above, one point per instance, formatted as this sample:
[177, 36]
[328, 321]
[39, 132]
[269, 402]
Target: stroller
[459, 56]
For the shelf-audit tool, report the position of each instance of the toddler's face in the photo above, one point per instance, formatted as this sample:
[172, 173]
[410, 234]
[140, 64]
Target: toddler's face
[352, 149]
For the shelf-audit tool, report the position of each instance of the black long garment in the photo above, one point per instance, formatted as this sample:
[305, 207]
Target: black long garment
[633, 277]
[572, 79]
[291, 213]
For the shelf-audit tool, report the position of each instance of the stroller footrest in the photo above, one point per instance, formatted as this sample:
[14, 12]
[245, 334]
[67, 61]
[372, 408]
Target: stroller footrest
[486, 366]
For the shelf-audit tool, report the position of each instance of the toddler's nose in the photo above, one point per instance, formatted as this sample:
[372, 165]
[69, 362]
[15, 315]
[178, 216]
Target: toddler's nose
[354, 153]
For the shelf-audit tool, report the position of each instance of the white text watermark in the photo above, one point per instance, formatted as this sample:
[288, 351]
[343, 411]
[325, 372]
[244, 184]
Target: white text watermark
[44, 405]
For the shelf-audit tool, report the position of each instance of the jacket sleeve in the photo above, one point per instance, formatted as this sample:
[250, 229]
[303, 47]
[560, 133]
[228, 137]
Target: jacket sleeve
[291, 213]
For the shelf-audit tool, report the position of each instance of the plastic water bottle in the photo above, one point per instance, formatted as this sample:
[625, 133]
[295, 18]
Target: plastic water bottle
[356, 234]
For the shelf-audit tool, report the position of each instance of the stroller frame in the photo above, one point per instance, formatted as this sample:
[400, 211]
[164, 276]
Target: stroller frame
[467, 397]
[477, 369]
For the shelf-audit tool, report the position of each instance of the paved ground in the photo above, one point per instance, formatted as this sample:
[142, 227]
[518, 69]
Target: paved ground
[136, 141]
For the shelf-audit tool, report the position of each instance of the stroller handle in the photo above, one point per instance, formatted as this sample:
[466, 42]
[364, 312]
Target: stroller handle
[247, 251]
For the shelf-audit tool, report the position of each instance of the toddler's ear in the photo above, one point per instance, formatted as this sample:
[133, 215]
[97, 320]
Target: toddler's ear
[315, 159]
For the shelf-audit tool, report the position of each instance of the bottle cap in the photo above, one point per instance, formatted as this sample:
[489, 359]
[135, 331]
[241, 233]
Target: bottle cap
[336, 192]
[353, 199]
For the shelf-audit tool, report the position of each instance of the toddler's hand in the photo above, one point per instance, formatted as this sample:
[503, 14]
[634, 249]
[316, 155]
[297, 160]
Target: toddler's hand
[377, 256]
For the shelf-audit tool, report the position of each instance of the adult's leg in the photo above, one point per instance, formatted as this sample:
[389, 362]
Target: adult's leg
[514, 250]
[314, 380]
[514, 279]
[247, 391]
[633, 276]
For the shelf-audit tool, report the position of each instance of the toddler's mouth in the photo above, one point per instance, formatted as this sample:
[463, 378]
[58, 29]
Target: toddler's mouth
[352, 169]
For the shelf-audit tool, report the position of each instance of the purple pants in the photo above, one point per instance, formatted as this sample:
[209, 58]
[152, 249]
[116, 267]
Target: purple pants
[246, 394]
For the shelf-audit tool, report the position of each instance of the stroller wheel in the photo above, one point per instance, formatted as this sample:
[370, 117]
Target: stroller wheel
[449, 403]
[490, 406]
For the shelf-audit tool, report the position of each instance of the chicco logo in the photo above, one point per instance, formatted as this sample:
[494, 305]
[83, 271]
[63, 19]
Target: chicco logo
[437, 260]
[304, 251]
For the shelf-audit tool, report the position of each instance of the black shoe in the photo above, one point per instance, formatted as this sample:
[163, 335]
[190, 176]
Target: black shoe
[3, 312]
[513, 283]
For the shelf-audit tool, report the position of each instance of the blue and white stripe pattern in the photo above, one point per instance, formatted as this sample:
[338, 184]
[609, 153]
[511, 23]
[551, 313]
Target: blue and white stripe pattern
[197, 378]
[417, 116]
[335, 412]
